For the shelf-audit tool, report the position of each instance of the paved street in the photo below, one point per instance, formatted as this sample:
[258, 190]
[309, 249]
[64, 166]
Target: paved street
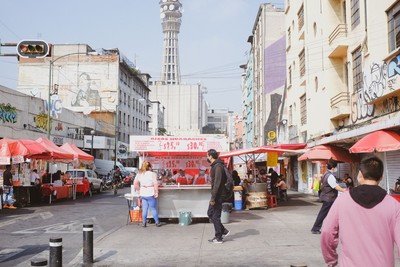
[273, 237]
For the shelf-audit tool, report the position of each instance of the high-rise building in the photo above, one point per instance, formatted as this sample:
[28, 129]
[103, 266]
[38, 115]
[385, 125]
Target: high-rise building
[171, 13]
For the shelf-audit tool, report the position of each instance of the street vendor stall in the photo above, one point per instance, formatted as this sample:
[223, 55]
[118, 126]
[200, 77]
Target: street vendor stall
[171, 153]
[256, 191]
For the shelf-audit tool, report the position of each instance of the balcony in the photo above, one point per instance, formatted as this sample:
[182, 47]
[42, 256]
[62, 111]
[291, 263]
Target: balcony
[340, 106]
[338, 42]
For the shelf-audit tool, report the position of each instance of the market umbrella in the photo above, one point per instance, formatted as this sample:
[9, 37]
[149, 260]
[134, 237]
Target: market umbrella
[78, 153]
[57, 154]
[16, 150]
[379, 141]
[326, 152]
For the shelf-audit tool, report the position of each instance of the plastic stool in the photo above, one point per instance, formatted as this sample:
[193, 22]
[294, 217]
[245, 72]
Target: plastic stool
[272, 201]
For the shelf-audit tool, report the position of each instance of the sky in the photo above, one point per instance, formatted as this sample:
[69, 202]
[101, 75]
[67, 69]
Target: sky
[212, 40]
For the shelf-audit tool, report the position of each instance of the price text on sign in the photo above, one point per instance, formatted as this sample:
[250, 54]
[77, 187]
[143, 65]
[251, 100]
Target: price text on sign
[173, 143]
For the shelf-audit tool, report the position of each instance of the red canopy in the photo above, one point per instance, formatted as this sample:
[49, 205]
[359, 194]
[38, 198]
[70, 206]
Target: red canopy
[17, 150]
[326, 152]
[78, 153]
[263, 149]
[379, 141]
[57, 153]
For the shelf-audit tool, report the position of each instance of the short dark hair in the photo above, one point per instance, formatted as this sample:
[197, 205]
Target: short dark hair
[331, 164]
[213, 153]
[372, 168]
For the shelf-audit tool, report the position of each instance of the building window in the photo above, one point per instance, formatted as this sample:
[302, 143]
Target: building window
[355, 13]
[289, 37]
[300, 17]
[290, 115]
[394, 26]
[357, 70]
[302, 63]
[303, 109]
[290, 75]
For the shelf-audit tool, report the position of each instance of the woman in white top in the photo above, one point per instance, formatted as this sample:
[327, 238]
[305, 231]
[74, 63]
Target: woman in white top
[147, 185]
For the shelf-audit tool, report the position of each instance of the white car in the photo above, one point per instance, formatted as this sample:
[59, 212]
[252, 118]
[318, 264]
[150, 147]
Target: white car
[96, 184]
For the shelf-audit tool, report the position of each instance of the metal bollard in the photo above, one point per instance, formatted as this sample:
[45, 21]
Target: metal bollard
[39, 262]
[88, 243]
[55, 257]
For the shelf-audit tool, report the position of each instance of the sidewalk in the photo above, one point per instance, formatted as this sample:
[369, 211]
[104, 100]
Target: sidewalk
[273, 237]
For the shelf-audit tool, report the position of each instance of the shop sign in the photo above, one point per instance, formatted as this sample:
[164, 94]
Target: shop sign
[179, 162]
[177, 143]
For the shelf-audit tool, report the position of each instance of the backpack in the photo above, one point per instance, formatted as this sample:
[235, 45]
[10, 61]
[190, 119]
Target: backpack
[229, 184]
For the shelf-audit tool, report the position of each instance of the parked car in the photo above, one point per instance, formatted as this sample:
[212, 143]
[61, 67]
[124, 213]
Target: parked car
[96, 184]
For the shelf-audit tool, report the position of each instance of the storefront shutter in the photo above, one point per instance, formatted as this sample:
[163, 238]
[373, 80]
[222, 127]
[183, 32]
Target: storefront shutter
[343, 168]
[393, 167]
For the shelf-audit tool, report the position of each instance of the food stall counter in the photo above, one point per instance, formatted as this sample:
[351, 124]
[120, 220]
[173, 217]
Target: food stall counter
[173, 199]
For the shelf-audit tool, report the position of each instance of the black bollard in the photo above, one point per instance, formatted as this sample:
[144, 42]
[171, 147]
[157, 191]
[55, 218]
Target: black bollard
[39, 262]
[55, 257]
[88, 243]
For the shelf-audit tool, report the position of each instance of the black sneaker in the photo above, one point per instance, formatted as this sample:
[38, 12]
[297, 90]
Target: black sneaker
[226, 233]
[317, 232]
[216, 241]
[158, 224]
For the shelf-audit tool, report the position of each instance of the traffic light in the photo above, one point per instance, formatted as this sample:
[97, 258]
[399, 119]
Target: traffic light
[32, 49]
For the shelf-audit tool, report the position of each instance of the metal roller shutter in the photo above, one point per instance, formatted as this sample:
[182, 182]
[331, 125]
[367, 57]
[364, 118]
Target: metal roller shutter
[393, 167]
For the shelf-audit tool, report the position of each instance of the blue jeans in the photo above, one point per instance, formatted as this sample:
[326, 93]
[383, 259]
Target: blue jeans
[152, 203]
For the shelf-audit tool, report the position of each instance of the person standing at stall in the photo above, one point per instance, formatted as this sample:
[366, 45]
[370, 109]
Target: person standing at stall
[8, 189]
[202, 177]
[274, 179]
[34, 176]
[218, 180]
[147, 185]
[182, 178]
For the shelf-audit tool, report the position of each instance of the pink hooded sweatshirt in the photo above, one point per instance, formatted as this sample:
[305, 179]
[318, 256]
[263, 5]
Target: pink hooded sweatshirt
[366, 223]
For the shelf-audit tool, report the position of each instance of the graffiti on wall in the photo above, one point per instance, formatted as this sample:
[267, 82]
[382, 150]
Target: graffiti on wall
[41, 121]
[8, 113]
[379, 79]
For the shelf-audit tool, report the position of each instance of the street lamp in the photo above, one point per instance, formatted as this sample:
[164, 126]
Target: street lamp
[50, 82]
[92, 132]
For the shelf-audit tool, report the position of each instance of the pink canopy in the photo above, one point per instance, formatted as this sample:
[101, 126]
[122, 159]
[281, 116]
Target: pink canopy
[78, 153]
[17, 150]
[57, 153]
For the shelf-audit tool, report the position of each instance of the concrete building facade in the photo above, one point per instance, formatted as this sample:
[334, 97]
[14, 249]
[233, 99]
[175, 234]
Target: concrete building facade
[102, 84]
[268, 28]
[342, 76]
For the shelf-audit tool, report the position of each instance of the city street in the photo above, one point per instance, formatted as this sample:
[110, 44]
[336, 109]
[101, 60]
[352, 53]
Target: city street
[278, 236]
[25, 232]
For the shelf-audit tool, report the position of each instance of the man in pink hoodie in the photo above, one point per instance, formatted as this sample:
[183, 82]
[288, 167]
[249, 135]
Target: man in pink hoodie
[365, 221]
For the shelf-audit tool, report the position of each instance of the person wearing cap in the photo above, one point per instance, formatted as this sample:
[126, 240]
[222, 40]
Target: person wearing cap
[182, 178]
[202, 177]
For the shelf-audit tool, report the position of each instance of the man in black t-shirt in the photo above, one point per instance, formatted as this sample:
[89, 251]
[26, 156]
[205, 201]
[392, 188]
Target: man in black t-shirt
[8, 189]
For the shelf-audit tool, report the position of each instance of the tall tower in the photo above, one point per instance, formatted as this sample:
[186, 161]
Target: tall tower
[171, 13]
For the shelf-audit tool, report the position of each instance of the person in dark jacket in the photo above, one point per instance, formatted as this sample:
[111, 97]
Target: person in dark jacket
[218, 180]
[236, 177]
[329, 192]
